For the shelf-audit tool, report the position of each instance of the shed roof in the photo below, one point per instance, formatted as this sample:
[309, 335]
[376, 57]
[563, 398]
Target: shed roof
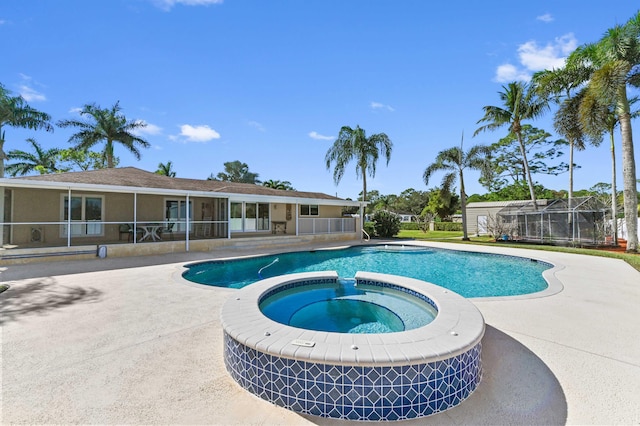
[509, 203]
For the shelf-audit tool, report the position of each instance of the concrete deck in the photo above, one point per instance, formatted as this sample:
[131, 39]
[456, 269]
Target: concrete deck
[128, 341]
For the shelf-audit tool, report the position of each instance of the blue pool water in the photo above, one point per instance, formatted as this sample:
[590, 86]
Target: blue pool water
[466, 273]
[345, 307]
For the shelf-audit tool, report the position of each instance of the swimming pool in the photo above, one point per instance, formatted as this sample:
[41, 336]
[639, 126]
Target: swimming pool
[469, 274]
[345, 306]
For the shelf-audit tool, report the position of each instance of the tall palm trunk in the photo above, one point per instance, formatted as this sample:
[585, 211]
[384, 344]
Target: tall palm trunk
[628, 171]
[463, 207]
[3, 155]
[614, 191]
[571, 147]
[364, 192]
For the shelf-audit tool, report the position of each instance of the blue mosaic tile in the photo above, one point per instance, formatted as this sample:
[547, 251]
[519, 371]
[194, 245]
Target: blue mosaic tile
[370, 393]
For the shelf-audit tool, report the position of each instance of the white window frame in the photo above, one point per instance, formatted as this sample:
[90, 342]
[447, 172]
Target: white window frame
[181, 222]
[249, 224]
[81, 230]
[309, 208]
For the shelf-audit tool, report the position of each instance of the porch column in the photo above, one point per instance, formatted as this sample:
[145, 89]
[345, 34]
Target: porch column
[135, 217]
[228, 218]
[188, 224]
[2, 215]
[297, 223]
[69, 217]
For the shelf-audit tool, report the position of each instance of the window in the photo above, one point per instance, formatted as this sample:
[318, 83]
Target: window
[249, 217]
[309, 210]
[88, 210]
[176, 211]
[235, 217]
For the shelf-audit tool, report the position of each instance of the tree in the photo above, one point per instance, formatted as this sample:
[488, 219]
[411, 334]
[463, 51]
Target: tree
[108, 126]
[441, 204]
[85, 160]
[278, 184]
[166, 169]
[235, 171]
[596, 119]
[411, 201]
[16, 112]
[41, 160]
[616, 62]
[520, 102]
[562, 84]
[454, 161]
[353, 144]
[507, 164]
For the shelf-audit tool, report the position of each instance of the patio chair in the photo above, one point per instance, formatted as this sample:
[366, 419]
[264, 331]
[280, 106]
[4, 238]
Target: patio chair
[167, 230]
[127, 229]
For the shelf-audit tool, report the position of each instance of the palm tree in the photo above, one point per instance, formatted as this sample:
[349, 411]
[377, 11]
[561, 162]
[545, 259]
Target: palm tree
[454, 161]
[616, 62]
[520, 102]
[15, 112]
[108, 126]
[561, 84]
[166, 169]
[353, 144]
[42, 161]
[278, 184]
[596, 119]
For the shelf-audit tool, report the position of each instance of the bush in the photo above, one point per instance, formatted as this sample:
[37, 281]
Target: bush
[370, 229]
[387, 224]
[448, 226]
[410, 226]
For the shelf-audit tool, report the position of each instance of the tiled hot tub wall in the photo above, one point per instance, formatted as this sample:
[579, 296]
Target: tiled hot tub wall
[355, 392]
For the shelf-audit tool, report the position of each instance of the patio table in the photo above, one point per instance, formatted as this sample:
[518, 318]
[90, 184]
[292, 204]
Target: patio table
[150, 231]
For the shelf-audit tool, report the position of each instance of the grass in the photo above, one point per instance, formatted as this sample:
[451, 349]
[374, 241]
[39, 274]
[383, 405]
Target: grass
[455, 237]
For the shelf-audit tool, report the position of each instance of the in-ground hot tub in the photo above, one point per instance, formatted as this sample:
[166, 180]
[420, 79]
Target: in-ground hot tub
[376, 376]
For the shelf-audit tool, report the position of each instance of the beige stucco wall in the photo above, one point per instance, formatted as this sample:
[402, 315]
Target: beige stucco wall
[45, 205]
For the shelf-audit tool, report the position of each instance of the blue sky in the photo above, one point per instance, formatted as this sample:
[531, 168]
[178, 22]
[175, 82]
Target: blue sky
[270, 83]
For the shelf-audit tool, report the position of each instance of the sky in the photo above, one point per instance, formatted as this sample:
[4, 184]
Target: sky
[270, 83]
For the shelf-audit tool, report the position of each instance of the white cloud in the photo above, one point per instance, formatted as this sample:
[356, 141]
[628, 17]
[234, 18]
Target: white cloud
[318, 136]
[148, 129]
[75, 110]
[537, 58]
[201, 133]
[378, 105]
[257, 126]
[168, 4]
[507, 73]
[545, 18]
[31, 95]
[534, 58]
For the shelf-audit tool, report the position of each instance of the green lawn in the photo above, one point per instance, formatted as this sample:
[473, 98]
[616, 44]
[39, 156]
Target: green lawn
[456, 237]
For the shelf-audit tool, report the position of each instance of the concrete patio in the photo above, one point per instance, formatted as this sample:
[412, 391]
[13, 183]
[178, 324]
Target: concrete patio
[128, 341]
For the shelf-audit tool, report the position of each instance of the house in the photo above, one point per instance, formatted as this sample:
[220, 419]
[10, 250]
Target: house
[129, 211]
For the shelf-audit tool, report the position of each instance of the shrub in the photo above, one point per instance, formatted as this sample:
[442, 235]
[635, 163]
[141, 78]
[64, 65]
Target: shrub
[410, 226]
[370, 229]
[387, 224]
[448, 226]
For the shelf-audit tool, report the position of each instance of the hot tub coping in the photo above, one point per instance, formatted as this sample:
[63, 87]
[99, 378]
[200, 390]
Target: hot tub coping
[458, 326]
